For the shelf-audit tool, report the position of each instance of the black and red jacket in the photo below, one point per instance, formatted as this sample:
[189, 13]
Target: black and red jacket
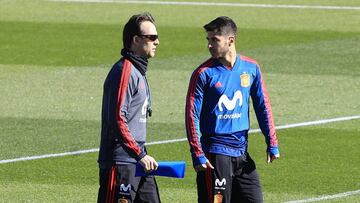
[125, 108]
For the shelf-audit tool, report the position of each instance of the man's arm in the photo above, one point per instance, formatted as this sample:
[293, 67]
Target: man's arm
[125, 92]
[262, 107]
[194, 101]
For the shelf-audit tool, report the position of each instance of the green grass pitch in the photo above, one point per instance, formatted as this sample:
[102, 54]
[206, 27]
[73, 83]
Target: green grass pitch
[54, 57]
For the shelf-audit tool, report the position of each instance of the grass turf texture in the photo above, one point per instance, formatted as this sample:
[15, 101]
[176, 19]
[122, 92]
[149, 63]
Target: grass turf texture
[55, 56]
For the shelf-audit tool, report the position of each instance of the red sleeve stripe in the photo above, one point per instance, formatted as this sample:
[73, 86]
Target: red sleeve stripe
[124, 131]
[271, 124]
[270, 119]
[189, 111]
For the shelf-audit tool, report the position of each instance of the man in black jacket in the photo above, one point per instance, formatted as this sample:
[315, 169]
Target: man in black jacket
[126, 106]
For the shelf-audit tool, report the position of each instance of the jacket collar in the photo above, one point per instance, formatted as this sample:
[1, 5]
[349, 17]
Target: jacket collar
[139, 62]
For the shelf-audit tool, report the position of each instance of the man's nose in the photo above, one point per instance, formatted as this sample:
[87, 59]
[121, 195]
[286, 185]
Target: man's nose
[157, 42]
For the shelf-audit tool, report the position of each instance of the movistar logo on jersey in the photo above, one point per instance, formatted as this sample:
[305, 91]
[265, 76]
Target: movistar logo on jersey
[230, 104]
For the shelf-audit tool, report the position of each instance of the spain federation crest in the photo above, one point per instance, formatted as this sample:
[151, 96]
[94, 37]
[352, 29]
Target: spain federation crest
[245, 80]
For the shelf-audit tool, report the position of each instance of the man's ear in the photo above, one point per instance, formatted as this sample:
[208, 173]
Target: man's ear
[136, 39]
[231, 40]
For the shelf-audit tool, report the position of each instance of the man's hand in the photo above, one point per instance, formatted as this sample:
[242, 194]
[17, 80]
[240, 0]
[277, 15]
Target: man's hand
[271, 158]
[203, 167]
[148, 163]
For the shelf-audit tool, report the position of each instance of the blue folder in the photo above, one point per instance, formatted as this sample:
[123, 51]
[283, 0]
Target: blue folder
[175, 169]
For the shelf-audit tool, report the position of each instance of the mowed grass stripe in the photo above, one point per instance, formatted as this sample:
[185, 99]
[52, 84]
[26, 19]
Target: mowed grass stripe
[69, 44]
[310, 123]
[36, 137]
[186, 16]
[184, 3]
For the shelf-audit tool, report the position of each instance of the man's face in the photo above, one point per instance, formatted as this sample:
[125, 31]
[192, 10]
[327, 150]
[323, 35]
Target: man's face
[218, 45]
[148, 40]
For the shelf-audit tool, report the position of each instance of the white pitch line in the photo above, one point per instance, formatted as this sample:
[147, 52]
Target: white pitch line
[326, 197]
[28, 158]
[319, 122]
[217, 4]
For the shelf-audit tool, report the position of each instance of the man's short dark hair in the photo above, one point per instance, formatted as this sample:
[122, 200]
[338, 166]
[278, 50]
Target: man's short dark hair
[222, 25]
[132, 27]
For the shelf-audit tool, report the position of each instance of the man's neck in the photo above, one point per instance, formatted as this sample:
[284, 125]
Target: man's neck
[229, 59]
